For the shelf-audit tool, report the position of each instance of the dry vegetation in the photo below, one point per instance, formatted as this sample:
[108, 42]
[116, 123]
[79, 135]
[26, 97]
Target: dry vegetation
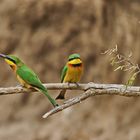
[43, 33]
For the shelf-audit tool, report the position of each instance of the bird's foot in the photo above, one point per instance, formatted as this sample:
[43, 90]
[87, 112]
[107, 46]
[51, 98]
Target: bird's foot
[68, 83]
[56, 105]
[77, 84]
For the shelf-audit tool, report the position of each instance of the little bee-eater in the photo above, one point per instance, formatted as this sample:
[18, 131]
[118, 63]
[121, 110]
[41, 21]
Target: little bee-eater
[26, 76]
[71, 72]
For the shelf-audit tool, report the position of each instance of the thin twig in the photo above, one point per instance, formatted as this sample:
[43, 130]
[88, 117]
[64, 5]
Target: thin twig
[124, 63]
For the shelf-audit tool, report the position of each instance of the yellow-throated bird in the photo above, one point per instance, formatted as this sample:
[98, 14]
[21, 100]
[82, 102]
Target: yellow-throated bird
[71, 72]
[26, 76]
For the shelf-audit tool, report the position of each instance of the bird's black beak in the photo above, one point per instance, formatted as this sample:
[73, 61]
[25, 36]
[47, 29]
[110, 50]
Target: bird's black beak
[3, 56]
[6, 57]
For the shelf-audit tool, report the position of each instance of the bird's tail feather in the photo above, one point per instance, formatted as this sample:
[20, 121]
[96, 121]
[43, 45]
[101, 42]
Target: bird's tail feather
[61, 95]
[49, 97]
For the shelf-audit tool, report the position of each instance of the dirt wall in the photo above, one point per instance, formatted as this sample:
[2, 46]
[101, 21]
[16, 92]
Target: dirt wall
[43, 33]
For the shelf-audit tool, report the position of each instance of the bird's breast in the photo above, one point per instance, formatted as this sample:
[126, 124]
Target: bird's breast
[73, 74]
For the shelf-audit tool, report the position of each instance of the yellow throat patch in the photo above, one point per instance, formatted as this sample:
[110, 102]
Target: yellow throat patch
[12, 65]
[75, 61]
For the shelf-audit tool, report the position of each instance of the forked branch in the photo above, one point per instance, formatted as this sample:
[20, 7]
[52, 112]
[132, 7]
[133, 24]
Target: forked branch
[97, 89]
[90, 89]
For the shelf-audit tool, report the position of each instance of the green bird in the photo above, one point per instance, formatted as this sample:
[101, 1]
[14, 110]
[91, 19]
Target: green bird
[71, 72]
[26, 76]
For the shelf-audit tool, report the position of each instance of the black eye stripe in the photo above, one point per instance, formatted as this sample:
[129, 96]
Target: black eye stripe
[11, 59]
[77, 65]
[71, 59]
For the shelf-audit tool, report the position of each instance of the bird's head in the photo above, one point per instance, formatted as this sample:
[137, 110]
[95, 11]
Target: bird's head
[74, 59]
[13, 61]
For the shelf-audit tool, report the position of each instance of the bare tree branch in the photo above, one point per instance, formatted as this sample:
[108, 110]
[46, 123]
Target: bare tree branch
[97, 89]
[90, 89]
[70, 86]
[50, 86]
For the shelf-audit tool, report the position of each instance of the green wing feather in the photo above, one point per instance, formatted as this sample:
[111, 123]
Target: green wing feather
[29, 77]
[63, 74]
[32, 79]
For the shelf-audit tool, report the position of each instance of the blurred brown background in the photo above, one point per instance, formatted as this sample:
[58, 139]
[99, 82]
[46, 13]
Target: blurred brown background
[43, 33]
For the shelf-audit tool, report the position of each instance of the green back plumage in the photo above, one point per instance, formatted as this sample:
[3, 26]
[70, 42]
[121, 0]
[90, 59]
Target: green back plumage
[63, 74]
[32, 79]
[29, 77]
